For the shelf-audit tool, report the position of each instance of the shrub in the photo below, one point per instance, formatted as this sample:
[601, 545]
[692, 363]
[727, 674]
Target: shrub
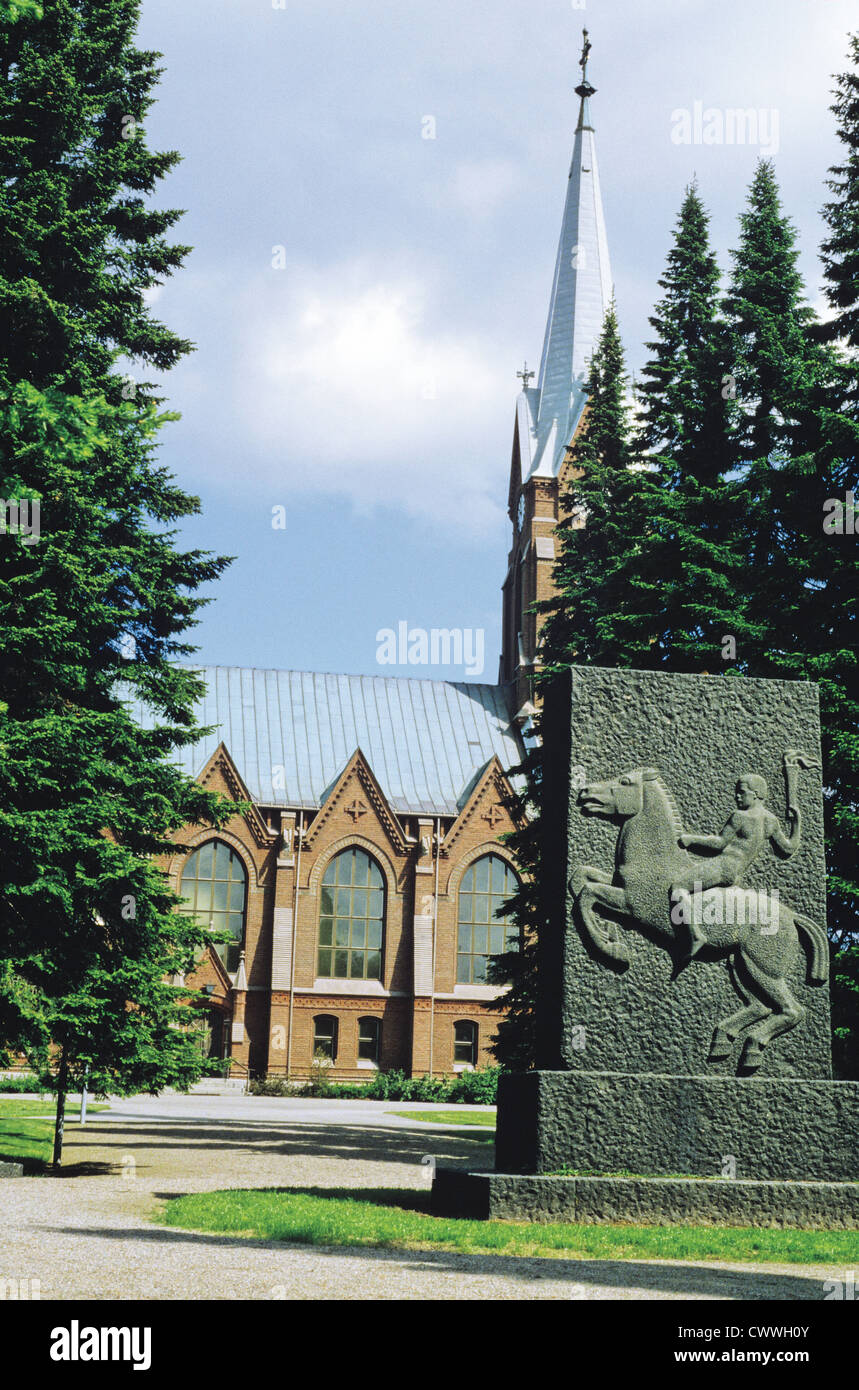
[478, 1087]
[430, 1088]
[276, 1086]
[18, 1084]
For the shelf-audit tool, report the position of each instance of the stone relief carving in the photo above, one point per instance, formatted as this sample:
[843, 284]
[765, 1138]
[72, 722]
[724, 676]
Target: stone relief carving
[686, 890]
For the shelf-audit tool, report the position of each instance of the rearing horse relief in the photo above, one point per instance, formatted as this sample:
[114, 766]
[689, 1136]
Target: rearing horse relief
[693, 900]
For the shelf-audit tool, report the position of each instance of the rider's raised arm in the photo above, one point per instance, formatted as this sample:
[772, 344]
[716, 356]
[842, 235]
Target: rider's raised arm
[786, 844]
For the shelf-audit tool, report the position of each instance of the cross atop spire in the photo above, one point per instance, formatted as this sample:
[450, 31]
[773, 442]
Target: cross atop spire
[583, 64]
[526, 375]
[585, 89]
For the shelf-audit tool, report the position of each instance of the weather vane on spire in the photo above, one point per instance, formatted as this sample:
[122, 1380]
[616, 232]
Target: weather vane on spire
[526, 376]
[584, 88]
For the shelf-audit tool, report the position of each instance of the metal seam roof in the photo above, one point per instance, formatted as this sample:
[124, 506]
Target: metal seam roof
[425, 740]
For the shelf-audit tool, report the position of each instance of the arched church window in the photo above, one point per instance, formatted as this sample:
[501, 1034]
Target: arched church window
[214, 889]
[351, 918]
[486, 884]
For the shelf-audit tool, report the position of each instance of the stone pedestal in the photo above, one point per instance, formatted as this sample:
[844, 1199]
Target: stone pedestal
[680, 1126]
[683, 1036]
[647, 1201]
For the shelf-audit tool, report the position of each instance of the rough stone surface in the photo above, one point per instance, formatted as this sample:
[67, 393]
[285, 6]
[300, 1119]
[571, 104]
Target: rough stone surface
[646, 1201]
[11, 1170]
[701, 733]
[621, 1122]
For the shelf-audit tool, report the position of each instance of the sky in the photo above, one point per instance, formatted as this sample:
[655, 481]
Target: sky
[373, 190]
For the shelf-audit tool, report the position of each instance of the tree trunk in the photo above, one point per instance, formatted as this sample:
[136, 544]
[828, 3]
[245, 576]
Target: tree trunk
[62, 1085]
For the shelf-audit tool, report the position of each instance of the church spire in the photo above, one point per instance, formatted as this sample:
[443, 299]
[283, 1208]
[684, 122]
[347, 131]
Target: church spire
[549, 410]
[581, 294]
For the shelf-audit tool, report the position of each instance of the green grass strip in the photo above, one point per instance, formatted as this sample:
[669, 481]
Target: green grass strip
[484, 1118]
[27, 1128]
[397, 1219]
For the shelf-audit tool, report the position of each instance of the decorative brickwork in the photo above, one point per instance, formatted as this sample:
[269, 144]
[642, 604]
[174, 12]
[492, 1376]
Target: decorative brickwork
[271, 1023]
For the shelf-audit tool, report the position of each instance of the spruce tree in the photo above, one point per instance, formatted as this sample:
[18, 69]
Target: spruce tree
[779, 370]
[833, 598]
[840, 250]
[690, 589]
[97, 599]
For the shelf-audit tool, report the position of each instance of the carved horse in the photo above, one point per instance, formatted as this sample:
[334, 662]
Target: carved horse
[648, 860]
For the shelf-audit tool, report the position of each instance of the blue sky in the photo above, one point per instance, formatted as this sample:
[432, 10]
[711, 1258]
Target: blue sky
[361, 297]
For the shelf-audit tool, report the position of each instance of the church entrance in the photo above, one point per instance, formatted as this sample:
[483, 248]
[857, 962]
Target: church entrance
[216, 1034]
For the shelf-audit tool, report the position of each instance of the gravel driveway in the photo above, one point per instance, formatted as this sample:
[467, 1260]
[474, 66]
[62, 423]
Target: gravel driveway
[90, 1234]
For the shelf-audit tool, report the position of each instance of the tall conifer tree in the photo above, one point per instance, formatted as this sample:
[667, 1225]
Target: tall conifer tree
[94, 609]
[601, 524]
[685, 394]
[833, 616]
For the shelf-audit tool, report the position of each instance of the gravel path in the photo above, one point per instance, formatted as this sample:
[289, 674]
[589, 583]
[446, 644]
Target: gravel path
[90, 1234]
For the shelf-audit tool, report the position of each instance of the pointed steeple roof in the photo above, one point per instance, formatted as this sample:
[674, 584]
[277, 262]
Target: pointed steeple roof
[581, 294]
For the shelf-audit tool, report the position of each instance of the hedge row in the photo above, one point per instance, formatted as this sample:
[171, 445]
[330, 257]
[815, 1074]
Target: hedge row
[478, 1087]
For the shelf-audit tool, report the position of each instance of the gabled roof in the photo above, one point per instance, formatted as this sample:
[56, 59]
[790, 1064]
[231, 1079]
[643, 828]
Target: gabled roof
[581, 295]
[358, 771]
[290, 734]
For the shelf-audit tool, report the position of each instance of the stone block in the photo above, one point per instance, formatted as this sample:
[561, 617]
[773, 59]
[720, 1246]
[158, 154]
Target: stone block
[646, 1201]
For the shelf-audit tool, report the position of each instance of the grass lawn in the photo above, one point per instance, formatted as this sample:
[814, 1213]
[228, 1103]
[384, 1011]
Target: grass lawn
[448, 1117]
[27, 1128]
[396, 1219]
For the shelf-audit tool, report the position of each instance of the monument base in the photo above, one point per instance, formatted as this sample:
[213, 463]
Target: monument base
[754, 1128]
[646, 1201]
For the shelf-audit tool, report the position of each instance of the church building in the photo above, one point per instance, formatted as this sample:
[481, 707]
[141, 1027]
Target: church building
[360, 890]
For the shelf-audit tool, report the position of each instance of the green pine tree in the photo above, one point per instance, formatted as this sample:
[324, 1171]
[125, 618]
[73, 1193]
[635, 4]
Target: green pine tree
[840, 250]
[688, 588]
[96, 598]
[779, 369]
[831, 614]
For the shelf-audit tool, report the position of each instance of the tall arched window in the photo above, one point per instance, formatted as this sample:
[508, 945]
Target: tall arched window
[351, 918]
[214, 887]
[485, 885]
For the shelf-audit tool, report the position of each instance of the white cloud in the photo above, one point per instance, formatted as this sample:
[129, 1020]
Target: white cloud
[353, 381]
